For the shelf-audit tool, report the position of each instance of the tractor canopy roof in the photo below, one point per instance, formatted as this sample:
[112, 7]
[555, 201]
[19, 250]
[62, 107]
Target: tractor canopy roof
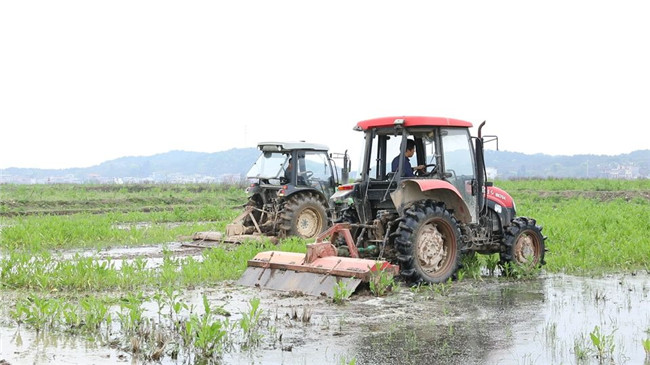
[410, 121]
[289, 146]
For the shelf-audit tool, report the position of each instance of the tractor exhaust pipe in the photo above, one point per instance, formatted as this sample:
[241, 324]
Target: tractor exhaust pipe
[480, 172]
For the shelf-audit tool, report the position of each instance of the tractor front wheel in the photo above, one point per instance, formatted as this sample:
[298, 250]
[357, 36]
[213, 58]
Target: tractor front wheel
[303, 216]
[523, 243]
[427, 242]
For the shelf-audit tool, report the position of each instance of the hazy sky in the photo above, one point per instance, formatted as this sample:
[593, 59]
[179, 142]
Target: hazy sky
[82, 82]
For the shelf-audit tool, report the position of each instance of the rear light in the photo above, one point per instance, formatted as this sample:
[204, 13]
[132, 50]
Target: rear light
[282, 190]
[346, 187]
[253, 185]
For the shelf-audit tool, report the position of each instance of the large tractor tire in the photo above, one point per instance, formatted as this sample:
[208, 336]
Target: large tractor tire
[523, 243]
[304, 216]
[427, 242]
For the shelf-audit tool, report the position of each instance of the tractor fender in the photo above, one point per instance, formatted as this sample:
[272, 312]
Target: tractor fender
[293, 191]
[410, 191]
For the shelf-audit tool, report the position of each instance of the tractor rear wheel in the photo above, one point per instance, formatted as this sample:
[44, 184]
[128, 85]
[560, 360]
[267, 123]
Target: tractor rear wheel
[523, 243]
[427, 242]
[304, 216]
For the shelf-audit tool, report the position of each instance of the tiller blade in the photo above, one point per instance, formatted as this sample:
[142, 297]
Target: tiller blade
[315, 273]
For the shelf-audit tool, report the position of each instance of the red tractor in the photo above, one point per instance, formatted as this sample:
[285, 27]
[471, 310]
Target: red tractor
[418, 220]
[425, 219]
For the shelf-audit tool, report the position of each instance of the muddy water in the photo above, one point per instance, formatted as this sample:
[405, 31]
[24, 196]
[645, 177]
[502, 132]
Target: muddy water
[547, 320]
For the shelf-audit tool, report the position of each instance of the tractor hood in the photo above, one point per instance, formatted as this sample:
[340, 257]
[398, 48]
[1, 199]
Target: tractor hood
[500, 197]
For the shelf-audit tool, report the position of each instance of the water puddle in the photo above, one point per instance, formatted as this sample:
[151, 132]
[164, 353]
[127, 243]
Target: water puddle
[491, 321]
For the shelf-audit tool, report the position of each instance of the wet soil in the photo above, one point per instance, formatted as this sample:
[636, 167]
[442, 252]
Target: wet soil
[489, 321]
[158, 204]
[603, 196]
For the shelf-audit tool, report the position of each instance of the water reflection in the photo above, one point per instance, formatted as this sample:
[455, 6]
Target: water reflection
[548, 320]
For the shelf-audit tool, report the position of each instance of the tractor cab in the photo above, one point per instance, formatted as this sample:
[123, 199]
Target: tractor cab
[291, 183]
[288, 167]
[440, 162]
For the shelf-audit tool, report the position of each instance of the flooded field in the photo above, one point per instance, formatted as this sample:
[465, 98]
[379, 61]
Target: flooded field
[552, 319]
[83, 279]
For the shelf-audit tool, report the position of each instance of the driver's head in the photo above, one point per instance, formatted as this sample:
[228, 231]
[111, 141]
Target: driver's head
[410, 148]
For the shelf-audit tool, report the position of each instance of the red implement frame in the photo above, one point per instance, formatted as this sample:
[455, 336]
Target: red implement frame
[317, 271]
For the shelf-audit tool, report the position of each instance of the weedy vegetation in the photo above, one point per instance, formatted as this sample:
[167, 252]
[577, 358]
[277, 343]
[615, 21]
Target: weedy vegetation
[646, 348]
[341, 292]
[603, 345]
[51, 235]
[381, 281]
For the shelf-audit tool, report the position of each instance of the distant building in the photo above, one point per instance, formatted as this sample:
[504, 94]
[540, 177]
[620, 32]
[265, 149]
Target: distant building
[624, 171]
[230, 178]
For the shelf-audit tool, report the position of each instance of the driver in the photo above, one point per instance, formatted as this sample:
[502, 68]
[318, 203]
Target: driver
[288, 170]
[408, 170]
[287, 174]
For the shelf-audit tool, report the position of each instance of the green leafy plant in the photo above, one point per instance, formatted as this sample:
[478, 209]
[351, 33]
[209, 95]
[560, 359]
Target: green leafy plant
[581, 349]
[442, 289]
[471, 266]
[603, 344]
[341, 292]
[250, 323]
[381, 281]
[41, 313]
[94, 312]
[130, 314]
[491, 263]
[520, 272]
[646, 347]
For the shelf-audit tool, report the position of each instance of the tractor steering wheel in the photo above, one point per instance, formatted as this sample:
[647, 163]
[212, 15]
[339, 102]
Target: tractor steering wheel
[434, 169]
[307, 174]
[430, 173]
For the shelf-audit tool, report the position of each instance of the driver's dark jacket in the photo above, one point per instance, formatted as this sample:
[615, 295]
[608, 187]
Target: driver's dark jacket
[408, 170]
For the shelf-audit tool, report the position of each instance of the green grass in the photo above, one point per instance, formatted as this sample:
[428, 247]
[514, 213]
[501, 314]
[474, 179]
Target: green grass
[46, 217]
[84, 230]
[43, 272]
[589, 233]
[62, 199]
[593, 226]
[573, 185]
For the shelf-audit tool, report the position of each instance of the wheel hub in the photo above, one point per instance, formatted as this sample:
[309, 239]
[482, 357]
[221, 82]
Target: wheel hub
[524, 249]
[307, 224]
[431, 248]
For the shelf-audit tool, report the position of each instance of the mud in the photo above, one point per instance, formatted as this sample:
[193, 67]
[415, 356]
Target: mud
[488, 321]
[602, 196]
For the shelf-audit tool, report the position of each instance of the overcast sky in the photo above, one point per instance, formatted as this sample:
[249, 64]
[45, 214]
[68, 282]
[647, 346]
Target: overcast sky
[82, 82]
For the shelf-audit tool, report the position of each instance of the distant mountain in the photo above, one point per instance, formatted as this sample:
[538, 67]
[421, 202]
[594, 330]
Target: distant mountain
[173, 166]
[518, 165]
[183, 166]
